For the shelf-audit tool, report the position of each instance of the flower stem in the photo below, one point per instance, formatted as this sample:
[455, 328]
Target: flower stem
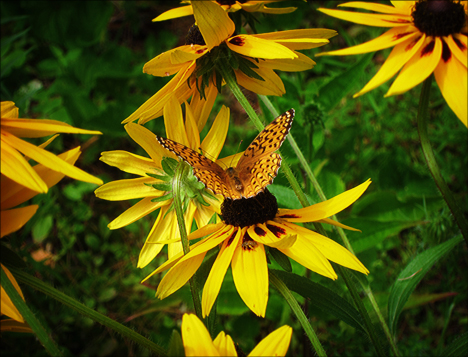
[85, 311]
[288, 296]
[340, 231]
[423, 110]
[177, 194]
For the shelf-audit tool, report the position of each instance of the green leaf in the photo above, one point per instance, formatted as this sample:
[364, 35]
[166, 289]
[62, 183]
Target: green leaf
[323, 298]
[176, 347]
[412, 275]
[459, 347]
[281, 259]
[42, 228]
[339, 87]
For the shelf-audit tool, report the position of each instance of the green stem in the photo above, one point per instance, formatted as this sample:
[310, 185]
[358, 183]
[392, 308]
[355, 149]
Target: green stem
[423, 110]
[177, 194]
[290, 299]
[28, 316]
[340, 231]
[85, 311]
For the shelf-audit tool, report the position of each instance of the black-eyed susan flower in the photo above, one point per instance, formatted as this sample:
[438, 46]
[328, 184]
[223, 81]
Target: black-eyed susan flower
[154, 184]
[229, 6]
[197, 341]
[248, 226]
[427, 36]
[13, 163]
[211, 43]
[13, 218]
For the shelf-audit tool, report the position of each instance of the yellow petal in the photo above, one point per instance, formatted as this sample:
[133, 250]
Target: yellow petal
[256, 47]
[458, 46]
[419, 67]
[330, 249]
[175, 248]
[218, 271]
[162, 65]
[225, 345]
[250, 274]
[147, 140]
[15, 167]
[324, 209]
[262, 233]
[298, 34]
[201, 107]
[196, 338]
[272, 10]
[337, 224]
[36, 128]
[206, 230]
[188, 53]
[377, 7]
[399, 56]
[272, 84]
[275, 344]
[213, 22]
[131, 163]
[7, 307]
[14, 326]
[214, 140]
[175, 13]
[128, 189]
[49, 160]
[174, 121]
[14, 219]
[8, 109]
[301, 63]
[451, 77]
[406, 6]
[191, 128]
[139, 210]
[388, 39]
[379, 20]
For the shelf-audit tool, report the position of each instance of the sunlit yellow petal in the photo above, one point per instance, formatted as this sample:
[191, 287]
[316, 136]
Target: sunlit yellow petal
[206, 230]
[202, 107]
[330, 249]
[128, 162]
[175, 13]
[379, 20]
[137, 211]
[8, 109]
[212, 144]
[406, 6]
[188, 53]
[297, 34]
[191, 128]
[419, 67]
[196, 338]
[301, 63]
[146, 139]
[37, 128]
[272, 84]
[225, 345]
[14, 219]
[385, 9]
[262, 234]
[256, 47]
[174, 122]
[214, 23]
[324, 209]
[275, 344]
[337, 224]
[128, 189]
[458, 46]
[218, 271]
[162, 66]
[399, 56]
[250, 274]
[7, 307]
[175, 248]
[229, 161]
[451, 76]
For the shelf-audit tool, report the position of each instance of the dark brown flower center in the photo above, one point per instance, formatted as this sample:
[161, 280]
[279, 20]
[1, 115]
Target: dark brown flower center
[249, 211]
[194, 37]
[439, 17]
[230, 2]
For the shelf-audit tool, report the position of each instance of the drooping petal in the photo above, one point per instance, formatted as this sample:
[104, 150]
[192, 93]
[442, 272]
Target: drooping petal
[337, 224]
[272, 84]
[225, 345]
[419, 67]
[196, 338]
[128, 189]
[14, 326]
[252, 46]
[385, 9]
[214, 140]
[399, 56]
[378, 20]
[218, 271]
[451, 77]
[250, 274]
[297, 34]
[7, 307]
[330, 249]
[37, 128]
[174, 121]
[214, 23]
[48, 159]
[388, 39]
[130, 163]
[146, 139]
[324, 209]
[175, 13]
[14, 219]
[202, 106]
[139, 210]
[191, 128]
[301, 63]
[275, 344]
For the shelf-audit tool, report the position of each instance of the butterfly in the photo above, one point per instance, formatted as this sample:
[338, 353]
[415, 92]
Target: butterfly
[255, 170]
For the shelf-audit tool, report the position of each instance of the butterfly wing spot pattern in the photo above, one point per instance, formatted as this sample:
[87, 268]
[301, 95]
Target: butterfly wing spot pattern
[255, 170]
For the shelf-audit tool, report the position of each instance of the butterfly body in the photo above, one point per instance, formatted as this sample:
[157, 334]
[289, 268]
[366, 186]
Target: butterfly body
[255, 170]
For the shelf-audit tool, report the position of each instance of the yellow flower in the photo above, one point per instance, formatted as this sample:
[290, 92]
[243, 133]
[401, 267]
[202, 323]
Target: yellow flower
[16, 167]
[211, 43]
[229, 6]
[427, 37]
[154, 183]
[12, 219]
[197, 341]
[248, 225]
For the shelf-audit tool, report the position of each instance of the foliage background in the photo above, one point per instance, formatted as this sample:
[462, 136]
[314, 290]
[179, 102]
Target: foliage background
[81, 62]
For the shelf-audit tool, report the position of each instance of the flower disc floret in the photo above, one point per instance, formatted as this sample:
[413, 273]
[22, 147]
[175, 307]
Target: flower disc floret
[439, 18]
